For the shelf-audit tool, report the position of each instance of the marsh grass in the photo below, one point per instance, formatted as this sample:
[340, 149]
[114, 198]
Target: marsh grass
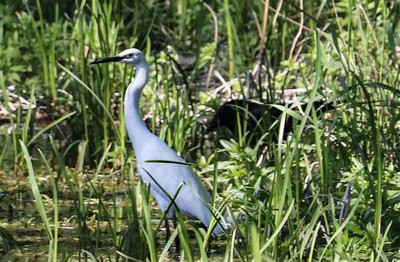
[287, 196]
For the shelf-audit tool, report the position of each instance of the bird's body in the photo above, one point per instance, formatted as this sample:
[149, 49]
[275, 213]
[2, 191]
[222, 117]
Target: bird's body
[158, 165]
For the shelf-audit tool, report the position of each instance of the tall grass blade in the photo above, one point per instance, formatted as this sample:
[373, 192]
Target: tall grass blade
[55, 205]
[38, 199]
[107, 112]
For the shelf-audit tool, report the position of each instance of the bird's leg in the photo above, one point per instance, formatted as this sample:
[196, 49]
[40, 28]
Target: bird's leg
[167, 231]
[174, 220]
[177, 241]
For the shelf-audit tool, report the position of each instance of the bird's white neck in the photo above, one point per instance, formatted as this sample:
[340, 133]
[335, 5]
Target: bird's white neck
[137, 130]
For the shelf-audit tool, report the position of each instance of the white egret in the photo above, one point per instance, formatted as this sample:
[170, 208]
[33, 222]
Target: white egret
[158, 165]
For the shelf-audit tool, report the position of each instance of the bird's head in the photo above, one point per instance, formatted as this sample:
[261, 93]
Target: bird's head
[129, 56]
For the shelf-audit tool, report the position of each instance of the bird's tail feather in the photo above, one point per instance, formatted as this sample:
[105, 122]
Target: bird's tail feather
[222, 224]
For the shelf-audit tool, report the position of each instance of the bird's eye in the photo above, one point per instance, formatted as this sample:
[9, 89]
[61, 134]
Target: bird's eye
[129, 56]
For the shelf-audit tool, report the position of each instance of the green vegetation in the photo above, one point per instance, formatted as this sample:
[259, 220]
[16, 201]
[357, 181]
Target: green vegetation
[329, 191]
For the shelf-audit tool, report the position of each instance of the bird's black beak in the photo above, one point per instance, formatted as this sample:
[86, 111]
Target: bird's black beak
[107, 60]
